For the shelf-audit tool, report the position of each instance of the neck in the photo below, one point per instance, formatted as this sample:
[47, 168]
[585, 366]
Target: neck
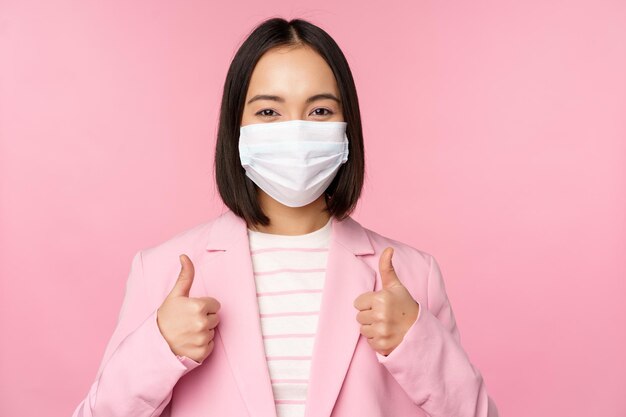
[285, 220]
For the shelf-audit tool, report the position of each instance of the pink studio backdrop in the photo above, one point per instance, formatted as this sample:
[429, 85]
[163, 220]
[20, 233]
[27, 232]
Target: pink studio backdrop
[495, 137]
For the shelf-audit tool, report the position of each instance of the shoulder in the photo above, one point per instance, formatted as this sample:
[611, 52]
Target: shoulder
[184, 239]
[402, 250]
[416, 268]
[190, 241]
[157, 266]
[409, 261]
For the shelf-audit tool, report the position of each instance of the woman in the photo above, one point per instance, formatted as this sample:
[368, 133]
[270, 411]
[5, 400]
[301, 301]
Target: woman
[284, 305]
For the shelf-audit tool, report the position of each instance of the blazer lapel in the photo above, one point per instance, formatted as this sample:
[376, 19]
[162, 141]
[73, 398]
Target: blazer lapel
[228, 276]
[338, 332]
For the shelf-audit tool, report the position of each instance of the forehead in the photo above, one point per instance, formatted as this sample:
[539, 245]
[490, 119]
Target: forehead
[292, 72]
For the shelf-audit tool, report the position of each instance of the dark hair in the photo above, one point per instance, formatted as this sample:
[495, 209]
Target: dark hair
[237, 190]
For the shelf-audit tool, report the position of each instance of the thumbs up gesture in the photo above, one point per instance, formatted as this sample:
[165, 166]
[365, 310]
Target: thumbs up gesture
[186, 323]
[386, 315]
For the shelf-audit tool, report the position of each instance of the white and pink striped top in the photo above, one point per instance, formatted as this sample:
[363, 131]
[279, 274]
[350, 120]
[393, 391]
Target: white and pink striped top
[289, 273]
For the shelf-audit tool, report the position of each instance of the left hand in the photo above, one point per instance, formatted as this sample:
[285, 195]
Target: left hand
[386, 315]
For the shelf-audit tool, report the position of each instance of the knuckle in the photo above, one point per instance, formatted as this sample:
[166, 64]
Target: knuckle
[373, 343]
[213, 320]
[199, 325]
[359, 317]
[387, 347]
[212, 305]
[198, 306]
[206, 349]
[383, 345]
[382, 297]
[201, 340]
[189, 304]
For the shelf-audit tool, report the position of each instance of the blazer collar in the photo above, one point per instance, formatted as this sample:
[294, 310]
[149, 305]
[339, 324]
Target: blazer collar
[228, 276]
[228, 229]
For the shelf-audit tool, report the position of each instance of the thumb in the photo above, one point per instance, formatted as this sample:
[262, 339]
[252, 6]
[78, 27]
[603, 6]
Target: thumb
[387, 272]
[185, 278]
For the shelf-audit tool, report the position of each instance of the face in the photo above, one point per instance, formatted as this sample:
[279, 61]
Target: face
[290, 83]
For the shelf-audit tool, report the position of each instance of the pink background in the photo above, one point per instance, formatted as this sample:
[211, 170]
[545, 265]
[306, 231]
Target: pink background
[496, 140]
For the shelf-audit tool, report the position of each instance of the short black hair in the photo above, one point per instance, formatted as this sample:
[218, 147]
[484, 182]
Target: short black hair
[239, 192]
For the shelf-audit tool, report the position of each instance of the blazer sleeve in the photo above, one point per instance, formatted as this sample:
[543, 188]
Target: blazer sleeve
[139, 370]
[431, 365]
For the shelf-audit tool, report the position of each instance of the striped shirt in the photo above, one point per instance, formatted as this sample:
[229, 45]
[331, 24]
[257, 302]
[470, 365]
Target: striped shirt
[289, 273]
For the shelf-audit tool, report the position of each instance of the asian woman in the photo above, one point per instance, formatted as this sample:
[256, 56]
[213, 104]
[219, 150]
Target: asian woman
[284, 305]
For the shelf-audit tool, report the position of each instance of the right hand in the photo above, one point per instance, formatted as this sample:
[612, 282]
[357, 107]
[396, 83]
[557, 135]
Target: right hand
[188, 324]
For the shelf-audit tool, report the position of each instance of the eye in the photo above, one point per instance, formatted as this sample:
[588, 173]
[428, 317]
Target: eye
[263, 113]
[316, 113]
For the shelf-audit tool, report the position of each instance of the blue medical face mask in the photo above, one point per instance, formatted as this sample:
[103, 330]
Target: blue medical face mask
[293, 161]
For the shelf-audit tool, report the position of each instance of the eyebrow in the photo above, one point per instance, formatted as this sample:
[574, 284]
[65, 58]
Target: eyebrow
[282, 100]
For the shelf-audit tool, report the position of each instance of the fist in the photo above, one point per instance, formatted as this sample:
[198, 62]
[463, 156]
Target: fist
[386, 315]
[188, 324]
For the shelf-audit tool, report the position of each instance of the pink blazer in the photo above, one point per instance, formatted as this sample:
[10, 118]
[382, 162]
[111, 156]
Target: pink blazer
[428, 374]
